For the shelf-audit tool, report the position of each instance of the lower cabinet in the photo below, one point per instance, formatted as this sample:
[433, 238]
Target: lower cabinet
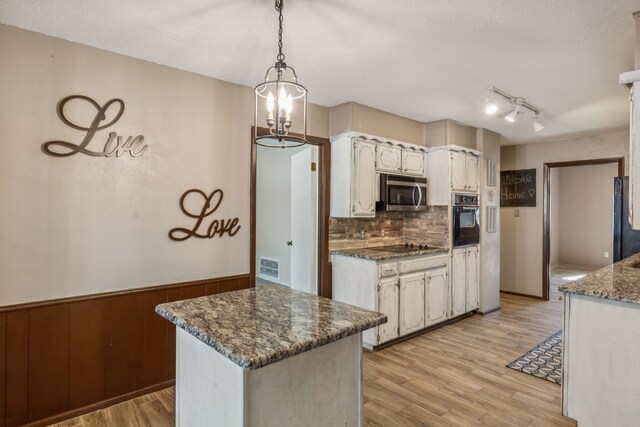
[411, 303]
[436, 299]
[464, 280]
[388, 295]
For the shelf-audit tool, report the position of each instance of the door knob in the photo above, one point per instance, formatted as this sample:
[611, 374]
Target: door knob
[289, 242]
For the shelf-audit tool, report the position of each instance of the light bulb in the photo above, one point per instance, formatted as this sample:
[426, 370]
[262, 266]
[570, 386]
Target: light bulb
[282, 99]
[270, 102]
[491, 107]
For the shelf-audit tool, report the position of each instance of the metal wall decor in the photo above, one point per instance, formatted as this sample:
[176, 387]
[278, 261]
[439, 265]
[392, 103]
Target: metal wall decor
[217, 227]
[115, 146]
[279, 95]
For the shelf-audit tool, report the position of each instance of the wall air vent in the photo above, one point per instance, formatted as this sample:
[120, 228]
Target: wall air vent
[269, 268]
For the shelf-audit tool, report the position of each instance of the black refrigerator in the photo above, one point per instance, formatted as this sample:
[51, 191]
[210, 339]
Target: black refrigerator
[626, 241]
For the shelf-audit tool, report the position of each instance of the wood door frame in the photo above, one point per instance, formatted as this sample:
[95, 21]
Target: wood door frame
[324, 197]
[546, 210]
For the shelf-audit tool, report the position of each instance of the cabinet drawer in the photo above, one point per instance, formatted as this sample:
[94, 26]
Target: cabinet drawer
[422, 263]
[389, 269]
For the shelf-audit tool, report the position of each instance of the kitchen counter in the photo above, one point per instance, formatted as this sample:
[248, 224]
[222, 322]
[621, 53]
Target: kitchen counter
[618, 282]
[259, 326]
[600, 369]
[379, 255]
[263, 356]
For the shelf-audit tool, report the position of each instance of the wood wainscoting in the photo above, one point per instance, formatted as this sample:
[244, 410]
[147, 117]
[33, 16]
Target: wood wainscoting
[65, 357]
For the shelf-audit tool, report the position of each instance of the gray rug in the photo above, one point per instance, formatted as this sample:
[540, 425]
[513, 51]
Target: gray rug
[542, 361]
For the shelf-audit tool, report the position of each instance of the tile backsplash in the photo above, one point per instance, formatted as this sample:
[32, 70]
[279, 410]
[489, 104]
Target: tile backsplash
[391, 228]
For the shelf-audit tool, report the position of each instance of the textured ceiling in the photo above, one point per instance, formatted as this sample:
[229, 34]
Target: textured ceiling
[425, 60]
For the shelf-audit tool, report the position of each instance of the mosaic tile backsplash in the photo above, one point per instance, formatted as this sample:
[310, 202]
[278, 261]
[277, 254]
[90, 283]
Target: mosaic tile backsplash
[391, 228]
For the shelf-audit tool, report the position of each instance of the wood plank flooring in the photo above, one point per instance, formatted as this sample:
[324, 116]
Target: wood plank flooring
[561, 274]
[453, 376]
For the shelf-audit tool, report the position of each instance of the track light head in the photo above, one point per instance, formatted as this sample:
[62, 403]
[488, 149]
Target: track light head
[537, 125]
[491, 107]
[513, 115]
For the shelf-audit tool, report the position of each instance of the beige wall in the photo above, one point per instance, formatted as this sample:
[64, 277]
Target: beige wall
[521, 238]
[489, 143]
[360, 118]
[585, 228]
[80, 224]
[449, 132]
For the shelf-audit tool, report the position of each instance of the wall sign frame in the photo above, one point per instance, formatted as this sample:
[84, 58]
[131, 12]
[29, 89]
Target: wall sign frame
[518, 188]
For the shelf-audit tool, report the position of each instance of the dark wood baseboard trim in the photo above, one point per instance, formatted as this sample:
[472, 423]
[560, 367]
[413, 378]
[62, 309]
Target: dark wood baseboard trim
[522, 295]
[132, 291]
[100, 405]
[493, 310]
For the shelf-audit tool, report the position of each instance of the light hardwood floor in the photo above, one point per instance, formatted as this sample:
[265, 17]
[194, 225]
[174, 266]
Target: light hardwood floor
[561, 274]
[453, 376]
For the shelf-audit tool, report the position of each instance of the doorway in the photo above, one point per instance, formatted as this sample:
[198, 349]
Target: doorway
[577, 219]
[290, 216]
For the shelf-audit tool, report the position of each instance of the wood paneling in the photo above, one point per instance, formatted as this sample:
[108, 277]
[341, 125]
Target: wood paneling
[117, 312]
[3, 366]
[48, 361]
[86, 353]
[78, 354]
[17, 388]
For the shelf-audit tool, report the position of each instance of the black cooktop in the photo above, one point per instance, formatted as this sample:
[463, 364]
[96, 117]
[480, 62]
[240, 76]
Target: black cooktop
[407, 247]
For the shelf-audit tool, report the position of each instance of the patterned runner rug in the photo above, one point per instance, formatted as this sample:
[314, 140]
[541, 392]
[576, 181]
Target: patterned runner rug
[543, 360]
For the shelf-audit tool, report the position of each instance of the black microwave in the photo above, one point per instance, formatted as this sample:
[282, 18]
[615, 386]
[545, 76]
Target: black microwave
[402, 193]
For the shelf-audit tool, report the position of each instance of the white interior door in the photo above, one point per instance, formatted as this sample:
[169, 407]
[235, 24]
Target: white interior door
[304, 223]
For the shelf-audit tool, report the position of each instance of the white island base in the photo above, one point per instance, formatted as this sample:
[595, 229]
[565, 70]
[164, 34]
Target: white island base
[320, 387]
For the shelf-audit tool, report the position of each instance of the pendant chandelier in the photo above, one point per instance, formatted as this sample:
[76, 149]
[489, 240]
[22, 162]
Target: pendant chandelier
[277, 99]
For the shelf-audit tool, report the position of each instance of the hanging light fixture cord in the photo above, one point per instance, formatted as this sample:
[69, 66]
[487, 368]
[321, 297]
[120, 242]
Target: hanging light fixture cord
[280, 57]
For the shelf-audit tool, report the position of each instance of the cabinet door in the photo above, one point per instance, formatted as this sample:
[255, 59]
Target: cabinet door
[388, 159]
[388, 304]
[436, 296]
[412, 163]
[458, 282]
[363, 186]
[472, 173]
[472, 279]
[458, 171]
[411, 303]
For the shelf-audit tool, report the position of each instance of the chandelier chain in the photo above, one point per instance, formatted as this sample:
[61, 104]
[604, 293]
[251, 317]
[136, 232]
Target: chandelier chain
[279, 7]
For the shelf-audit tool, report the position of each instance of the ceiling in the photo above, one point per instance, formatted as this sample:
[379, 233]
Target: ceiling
[425, 60]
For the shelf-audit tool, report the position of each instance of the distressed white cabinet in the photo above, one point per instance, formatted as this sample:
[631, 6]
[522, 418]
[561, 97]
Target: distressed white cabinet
[458, 282]
[412, 291]
[388, 159]
[436, 297]
[411, 303]
[353, 187]
[412, 162]
[464, 280]
[472, 298]
[388, 295]
[451, 169]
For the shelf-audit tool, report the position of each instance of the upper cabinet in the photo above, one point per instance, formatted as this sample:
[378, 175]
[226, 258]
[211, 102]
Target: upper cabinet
[451, 169]
[388, 159]
[355, 162]
[353, 187]
[412, 162]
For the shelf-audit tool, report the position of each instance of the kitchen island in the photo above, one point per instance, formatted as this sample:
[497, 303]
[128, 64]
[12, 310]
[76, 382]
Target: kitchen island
[601, 346]
[268, 356]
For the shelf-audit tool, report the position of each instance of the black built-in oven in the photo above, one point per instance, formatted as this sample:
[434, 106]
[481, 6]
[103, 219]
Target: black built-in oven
[466, 219]
[402, 193]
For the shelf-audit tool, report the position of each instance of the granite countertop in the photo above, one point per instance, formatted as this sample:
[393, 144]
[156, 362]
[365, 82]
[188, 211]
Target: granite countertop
[378, 255]
[619, 282]
[259, 326]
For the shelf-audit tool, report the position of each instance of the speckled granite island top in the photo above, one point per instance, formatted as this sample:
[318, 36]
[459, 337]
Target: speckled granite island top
[380, 255]
[619, 282]
[259, 326]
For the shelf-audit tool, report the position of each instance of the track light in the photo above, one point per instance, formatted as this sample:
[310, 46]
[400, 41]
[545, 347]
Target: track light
[513, 115]
[491, 107]
[519, 106]
[537, 125]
